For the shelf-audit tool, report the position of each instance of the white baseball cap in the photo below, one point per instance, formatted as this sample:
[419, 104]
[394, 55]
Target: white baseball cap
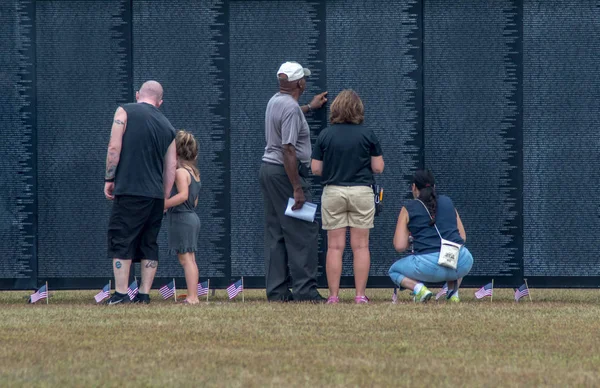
[293, 70]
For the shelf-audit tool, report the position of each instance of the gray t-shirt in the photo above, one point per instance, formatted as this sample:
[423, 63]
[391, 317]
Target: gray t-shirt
[285, 124]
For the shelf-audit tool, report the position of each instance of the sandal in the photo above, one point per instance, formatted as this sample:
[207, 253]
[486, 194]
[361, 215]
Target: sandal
[185, 301]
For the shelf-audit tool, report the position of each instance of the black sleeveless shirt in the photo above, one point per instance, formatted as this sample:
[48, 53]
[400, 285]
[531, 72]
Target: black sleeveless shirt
[147, 137]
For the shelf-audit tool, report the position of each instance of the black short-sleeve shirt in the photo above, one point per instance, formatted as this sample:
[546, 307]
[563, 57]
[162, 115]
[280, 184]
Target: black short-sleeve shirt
[346, 151]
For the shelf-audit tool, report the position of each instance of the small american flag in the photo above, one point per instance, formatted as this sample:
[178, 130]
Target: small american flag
[168, 290]
[203, 288]
[484, 291]
[132, 290]
[42, 293]
[105, 293]
[235, 289]
[521, 292]
[395, 295]
[442, 292]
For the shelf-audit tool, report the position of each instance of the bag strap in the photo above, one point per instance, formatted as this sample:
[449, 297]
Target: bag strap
[436, 228]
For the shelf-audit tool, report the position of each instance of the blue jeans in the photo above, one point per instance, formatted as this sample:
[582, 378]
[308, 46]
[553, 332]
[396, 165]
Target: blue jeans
[424, 268]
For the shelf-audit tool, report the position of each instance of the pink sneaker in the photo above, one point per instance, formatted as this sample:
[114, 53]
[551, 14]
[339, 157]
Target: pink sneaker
[333, 300]
[361, 300]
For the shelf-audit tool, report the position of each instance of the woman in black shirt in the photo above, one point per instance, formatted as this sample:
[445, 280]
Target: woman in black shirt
[346, 155]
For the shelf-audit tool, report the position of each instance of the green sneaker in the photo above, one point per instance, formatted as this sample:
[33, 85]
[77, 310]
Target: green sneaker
[423, 296]
[454, 299]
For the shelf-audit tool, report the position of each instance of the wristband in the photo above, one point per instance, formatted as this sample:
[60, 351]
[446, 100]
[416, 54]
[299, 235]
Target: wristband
[109, 180]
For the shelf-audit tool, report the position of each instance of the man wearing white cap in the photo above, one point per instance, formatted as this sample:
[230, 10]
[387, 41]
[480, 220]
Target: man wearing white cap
[290, 243]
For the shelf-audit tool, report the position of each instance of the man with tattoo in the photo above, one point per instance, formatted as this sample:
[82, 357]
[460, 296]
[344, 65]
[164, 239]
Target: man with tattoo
[290, 243]
[140, 171]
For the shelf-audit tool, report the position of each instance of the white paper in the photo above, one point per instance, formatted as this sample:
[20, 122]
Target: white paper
[306, 213]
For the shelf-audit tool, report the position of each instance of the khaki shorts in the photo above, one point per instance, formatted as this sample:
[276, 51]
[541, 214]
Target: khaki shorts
[343, 206]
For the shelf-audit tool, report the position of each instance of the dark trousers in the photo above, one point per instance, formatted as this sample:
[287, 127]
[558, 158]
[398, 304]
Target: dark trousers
[290, 243]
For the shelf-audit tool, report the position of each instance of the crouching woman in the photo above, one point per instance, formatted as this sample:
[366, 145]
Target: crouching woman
[422, 218]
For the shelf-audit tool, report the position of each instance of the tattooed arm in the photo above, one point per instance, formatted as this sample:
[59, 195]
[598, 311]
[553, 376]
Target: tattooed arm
[114, 150]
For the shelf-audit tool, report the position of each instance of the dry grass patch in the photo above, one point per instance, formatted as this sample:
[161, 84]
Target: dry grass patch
[72, 342]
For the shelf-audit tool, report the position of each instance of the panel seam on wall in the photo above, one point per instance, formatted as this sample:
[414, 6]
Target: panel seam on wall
[34, 140]
[131, 86]
[422, 158]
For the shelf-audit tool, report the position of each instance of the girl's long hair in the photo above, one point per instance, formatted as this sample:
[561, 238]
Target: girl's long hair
[187, 151]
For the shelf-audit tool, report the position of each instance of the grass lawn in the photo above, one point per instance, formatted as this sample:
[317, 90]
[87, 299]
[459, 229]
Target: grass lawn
[554, 341]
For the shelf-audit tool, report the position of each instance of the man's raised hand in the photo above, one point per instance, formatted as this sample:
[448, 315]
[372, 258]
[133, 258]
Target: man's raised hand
[318, 101]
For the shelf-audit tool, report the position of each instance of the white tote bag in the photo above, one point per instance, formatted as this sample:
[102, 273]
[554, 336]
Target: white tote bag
[449, 250]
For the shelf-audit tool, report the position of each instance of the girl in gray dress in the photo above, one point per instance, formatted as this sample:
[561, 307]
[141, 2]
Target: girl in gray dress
[184, 223]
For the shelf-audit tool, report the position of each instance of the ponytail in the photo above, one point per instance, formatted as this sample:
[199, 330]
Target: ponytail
[424, 181]
[428, 196]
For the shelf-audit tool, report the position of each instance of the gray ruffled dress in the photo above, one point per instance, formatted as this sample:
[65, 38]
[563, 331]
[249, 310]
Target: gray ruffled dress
[184, 223]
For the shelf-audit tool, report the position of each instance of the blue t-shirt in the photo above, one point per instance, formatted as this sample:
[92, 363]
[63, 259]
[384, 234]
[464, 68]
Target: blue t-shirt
[425, 237]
